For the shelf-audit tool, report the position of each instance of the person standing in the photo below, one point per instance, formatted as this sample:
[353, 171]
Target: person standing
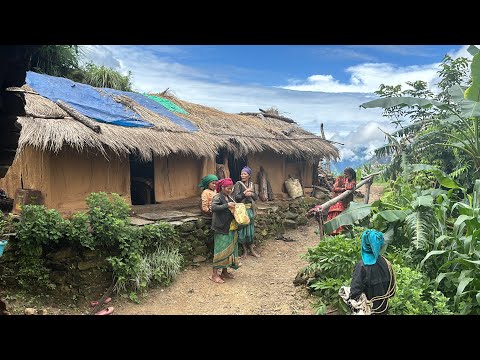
[373, 274]
[342, 183]
[208, 184]
[244, 191]
[225, 253]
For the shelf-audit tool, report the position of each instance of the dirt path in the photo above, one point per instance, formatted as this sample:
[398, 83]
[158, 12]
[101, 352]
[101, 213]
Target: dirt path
[262, 286]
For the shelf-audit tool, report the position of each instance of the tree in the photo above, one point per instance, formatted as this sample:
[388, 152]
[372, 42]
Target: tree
[63, 61]
[102, 76]
[55, 60]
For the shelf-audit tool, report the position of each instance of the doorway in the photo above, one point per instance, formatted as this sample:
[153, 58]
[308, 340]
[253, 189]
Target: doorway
[142, 181]
[235, 166]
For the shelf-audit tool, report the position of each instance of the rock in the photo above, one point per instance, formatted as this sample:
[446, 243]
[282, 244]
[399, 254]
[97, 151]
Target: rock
[171, 215]
[30, 311]
[201, 223]
[200, 250]
[273, 210]
[85, 265]
[290, 215]
[302, 220]
[140, 222]
[62, 254]
[188, 226]
[42, 312]
[199, 258]
[289, 224]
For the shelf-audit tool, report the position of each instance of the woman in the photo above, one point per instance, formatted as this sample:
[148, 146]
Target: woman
[208, 185]
[244, 191]
[373, 275]
[225, 252]
[342, 183]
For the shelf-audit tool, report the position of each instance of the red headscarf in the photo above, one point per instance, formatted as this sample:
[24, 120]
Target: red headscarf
[222, 183]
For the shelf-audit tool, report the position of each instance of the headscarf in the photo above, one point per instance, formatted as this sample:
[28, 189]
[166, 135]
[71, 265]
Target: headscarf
[247, 170]
[222, 183]
[372, 242]
[207, 180]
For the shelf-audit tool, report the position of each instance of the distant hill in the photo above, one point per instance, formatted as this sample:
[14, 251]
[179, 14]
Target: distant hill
[337, 167]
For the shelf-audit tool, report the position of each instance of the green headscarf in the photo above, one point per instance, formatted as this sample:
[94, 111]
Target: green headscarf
[207, 180]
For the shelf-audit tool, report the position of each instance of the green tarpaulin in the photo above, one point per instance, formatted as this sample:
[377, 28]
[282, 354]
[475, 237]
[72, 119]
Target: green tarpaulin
[167, 103]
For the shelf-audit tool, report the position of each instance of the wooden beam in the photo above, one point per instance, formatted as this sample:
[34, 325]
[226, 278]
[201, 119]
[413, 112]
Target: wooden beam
[79, 117]
[343, 195]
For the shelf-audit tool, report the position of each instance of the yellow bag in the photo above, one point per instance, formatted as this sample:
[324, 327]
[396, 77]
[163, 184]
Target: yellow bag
[240, 214]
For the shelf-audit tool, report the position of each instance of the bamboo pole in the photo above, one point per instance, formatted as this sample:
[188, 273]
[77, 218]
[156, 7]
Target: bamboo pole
[367, 192]
[79, 117]
[343, 195]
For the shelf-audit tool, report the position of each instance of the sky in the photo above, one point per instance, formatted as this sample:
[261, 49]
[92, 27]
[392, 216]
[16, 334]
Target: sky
[311, 84]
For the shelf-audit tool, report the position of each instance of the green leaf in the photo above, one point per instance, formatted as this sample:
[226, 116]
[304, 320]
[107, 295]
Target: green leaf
[441, 276]
[460, 224]
[392, 215]
[439, 240]
[431, 253]
[426, 200]
[475, 69]
[463, 283]
[469, 108]
[473, 50]
[402, 102]
[456, 92]
[466, 244]
[442, 178]
[353, 213]
[473, 92]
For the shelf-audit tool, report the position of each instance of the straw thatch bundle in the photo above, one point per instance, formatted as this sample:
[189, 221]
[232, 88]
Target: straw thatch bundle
[250, 134]
[46, 126]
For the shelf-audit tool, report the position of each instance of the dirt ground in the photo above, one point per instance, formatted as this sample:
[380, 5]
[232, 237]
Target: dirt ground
[262, 286]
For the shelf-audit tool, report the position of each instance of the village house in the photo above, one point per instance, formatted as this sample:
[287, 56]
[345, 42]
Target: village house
[77, 139]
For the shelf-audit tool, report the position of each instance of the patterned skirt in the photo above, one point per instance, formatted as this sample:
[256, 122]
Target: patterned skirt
[225, 251]
[246, 233]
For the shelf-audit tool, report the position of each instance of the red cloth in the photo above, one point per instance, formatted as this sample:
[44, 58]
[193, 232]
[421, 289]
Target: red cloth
[223, 182]
[341, 184]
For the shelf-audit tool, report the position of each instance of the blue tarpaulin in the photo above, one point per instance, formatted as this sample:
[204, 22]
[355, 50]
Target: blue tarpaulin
[154, 106]
[85, 99]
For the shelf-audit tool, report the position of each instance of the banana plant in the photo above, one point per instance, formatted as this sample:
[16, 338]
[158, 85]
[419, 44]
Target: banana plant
[467, 120]
[458, 257]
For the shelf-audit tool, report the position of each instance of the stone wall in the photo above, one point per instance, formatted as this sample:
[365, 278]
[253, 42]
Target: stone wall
[84, 274]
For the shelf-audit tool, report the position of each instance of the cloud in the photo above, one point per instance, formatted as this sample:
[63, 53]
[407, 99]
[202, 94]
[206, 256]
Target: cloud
[462, 52]
[366, 78]
[342, 53]
[154, 70]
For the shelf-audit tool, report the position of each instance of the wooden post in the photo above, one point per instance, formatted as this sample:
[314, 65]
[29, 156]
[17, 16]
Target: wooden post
[367, 192]
[327, 161]
[320, 225]
[79, 117]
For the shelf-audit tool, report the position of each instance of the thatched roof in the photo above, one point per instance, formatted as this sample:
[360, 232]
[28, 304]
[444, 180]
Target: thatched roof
[49, 127]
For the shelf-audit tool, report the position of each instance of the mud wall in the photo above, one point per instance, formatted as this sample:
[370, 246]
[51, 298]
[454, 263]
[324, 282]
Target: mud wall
[73, 176]
[67, 178]
[272, 164]
[31, 167]
[177, 177]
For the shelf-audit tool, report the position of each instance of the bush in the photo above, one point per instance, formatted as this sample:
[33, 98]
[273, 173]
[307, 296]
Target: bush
[413, 295]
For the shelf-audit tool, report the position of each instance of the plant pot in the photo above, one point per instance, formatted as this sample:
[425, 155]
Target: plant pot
[3, 243]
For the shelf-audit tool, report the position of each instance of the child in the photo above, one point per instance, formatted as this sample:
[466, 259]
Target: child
[225, 253]
[208, 183]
